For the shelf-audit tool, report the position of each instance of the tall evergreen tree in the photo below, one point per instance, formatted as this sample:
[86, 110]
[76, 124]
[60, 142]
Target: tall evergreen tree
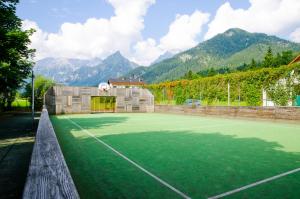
[253, 64]
[268, 59]
[211, 72]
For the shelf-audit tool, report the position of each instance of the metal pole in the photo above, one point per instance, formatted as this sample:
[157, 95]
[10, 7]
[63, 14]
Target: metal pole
[239, 94]
[228, 94]
[32, 100]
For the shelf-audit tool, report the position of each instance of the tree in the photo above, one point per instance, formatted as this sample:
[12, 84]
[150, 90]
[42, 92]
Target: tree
[286, 57]
[243, 67]
[268, 59]
[41, 85]
[190, 75]
[211, 72]
[277, 60]
[14, 55]
[253, 64]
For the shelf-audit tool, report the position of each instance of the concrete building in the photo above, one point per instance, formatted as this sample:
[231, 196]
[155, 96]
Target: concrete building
[67, 99]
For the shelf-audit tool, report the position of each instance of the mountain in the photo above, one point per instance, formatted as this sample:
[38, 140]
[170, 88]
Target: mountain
[62, 70]
[166, 55]
[229, 49]
[84, 72]
[113, 66]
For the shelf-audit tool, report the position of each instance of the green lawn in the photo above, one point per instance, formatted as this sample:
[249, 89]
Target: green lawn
[199, 156]
[20, 103]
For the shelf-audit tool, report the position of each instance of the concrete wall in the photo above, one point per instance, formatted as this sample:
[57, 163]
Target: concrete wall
[69, 99]
[48, 175]
[286, 113]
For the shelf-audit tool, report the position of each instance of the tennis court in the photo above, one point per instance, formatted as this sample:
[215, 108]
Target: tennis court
[152, 155]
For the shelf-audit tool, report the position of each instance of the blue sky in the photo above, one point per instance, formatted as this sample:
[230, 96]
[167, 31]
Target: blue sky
[146, 29]
[51, 14]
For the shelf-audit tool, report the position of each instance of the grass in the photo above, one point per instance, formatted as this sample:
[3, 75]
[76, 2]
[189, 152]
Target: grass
[20, 103]
[200, 156]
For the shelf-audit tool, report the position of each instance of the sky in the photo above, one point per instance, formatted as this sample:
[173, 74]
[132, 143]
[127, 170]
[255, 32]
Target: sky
[142, 30]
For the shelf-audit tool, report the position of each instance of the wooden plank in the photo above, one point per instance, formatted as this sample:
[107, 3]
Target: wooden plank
[48, 175]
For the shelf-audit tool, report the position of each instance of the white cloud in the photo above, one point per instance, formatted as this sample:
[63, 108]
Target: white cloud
[295, 35]
[122, 32]
[37, 39]
[268, 16]
[146, 52]
[183, 32]
[95, 37]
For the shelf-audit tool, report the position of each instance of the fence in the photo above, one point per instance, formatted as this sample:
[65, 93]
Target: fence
[223, 96]
[230, 96]
[48, 175]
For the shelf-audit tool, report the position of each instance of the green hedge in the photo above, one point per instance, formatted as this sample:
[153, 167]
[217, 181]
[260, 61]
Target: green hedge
[281, 84]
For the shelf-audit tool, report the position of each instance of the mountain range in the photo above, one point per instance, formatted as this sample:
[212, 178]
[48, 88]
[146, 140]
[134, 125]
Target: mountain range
[84, 72]
[230, 49]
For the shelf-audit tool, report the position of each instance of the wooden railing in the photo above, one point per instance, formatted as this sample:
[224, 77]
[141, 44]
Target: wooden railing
[48, 175]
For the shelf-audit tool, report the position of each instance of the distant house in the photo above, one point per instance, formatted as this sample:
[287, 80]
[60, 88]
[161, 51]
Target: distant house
[296, 60]
[125, 83]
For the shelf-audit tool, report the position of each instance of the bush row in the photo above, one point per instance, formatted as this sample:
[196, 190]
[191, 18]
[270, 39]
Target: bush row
[281, 85]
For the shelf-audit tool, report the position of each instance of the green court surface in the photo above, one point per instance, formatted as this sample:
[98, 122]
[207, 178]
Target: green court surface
[155, 155]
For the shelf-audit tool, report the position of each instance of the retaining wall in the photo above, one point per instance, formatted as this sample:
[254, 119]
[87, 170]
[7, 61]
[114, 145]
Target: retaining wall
[285, 113]
[48, 175]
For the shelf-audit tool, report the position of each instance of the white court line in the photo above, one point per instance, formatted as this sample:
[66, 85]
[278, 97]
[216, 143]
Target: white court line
[255, 184]
[132, 162]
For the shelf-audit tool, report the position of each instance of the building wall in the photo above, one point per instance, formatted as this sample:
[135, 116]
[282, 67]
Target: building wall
[67, 99]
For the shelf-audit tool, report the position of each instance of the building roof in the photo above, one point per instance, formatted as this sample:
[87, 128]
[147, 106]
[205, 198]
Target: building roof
[126, 82]
[297, 59]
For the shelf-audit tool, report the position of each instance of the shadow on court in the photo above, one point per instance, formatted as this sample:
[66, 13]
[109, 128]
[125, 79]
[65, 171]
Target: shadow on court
[198, 164]
[16, 143]
[90, 123]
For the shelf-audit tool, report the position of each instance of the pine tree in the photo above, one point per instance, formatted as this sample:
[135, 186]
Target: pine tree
[189, 75]
[268, 59]
[211, 72]
[253, 64]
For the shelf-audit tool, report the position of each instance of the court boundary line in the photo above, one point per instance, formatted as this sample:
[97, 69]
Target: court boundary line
[132, 162]
[254, 184]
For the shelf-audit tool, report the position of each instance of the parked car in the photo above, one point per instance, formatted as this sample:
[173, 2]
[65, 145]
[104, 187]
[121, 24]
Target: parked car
[192, 102]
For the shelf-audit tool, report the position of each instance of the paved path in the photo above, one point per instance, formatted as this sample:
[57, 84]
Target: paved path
[16, 142]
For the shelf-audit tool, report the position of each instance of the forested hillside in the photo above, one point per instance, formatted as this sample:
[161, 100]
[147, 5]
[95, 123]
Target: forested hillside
[230, 49]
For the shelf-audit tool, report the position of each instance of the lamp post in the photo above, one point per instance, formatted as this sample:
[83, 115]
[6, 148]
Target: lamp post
[228, 94]
[32, 99]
